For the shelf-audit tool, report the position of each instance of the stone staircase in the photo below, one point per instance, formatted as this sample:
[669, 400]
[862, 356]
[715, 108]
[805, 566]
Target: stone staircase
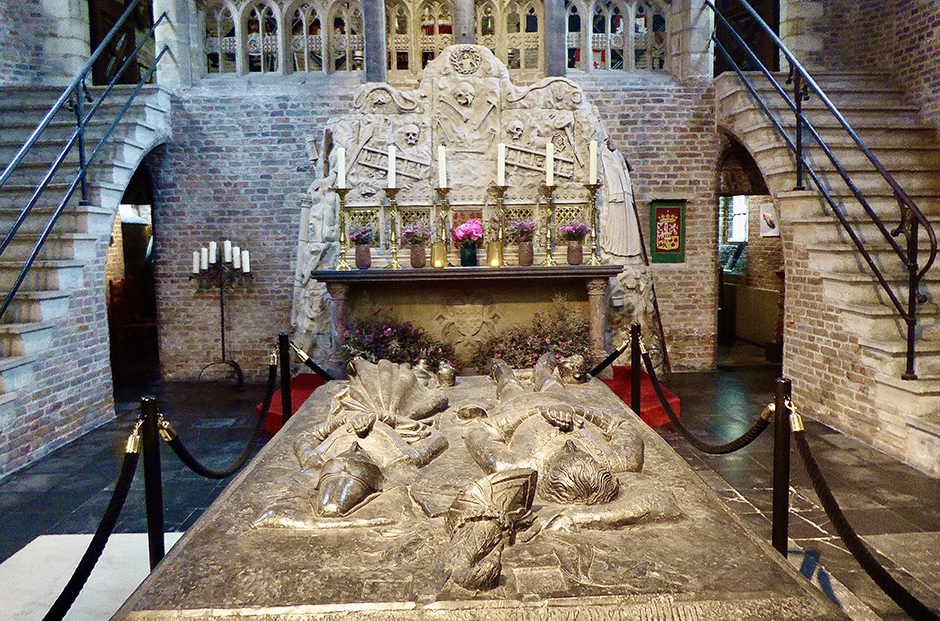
[79, 238]
[907, 412]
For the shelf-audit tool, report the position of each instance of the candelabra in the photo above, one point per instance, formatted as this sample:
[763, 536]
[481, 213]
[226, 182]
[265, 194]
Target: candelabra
[343, 240]
[222, 274]
[594, 259]
[549, 192]
[392, 194]
[439, 248]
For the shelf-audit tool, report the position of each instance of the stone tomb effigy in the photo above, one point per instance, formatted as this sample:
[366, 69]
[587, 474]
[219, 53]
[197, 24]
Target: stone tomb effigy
[508, 497]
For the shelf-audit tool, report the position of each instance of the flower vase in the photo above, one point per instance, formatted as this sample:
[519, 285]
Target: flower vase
[575, 252]
[526, 254]
[363, 256]
[468, 255]
[419, 257]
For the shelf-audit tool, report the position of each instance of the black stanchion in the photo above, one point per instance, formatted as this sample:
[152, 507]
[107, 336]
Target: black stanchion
[283, 349]
[636, 372]
[153, 483]
[781, 494]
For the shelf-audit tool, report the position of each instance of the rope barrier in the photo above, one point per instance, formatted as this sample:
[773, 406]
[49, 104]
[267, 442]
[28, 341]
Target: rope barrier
[901, 596]
[715, 449]
[172, 438]
[105, 527]
[310, 364]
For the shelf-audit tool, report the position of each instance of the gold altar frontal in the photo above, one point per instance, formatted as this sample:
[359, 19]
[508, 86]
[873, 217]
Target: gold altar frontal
[384, 561]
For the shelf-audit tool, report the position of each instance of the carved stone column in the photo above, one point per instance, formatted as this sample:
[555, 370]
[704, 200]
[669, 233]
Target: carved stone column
[556, 58]
[339, 292]
[373, 15]
[597, 289]
[465, 30]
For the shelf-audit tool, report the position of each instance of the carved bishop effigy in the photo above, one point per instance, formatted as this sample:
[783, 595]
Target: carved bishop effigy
[521, 496]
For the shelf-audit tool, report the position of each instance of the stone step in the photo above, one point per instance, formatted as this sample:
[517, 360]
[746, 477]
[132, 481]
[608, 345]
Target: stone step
[826, 229]
[877, 321]
[861, 288]
[744, 114]
[916, 182]
[31, 175]
[43, 275]
[46, 151]
[765, 136]
[890, 356]
[77, 246]
[844, 257]
[36, 306]
[16, 373]
[24, 339]
[83, 219]
[798, 204]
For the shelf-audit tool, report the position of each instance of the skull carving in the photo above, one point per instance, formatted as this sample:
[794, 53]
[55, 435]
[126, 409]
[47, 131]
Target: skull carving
[464, 94]
[515, 129]
[411, 133]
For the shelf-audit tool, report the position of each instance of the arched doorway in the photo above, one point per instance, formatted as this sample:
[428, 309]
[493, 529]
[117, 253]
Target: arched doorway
[131, 292]
[750, 263]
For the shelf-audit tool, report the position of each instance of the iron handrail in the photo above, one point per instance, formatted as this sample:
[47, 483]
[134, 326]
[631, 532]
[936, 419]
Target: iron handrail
[911, 216]
[73, 95]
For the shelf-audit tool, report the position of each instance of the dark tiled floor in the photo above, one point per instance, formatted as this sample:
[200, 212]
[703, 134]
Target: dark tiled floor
[893, 507]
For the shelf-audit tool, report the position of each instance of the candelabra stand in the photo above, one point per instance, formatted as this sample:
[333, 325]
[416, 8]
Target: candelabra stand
[221, 275]
[594, 259]
[549, 192]
[392, 194]
[442, 219]
[343, 240]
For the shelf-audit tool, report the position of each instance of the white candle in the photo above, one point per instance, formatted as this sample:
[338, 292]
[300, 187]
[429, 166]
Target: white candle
[391, 166]
[340, 167]
[442, 166]
[592, 162]
[246, 262]
[236, 257]
[213, 252]
[501, 164]
[549, 164]
[227, 251]
[204, 258]
[195, 261]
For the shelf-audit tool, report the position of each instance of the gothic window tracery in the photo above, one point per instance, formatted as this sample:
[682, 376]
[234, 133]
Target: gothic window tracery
[306, 42]
[622, 35]
[574, 35]
[649, 37]
[220, 42]
[487, 31]
[437, 30]
[346, 38]
[398, 37]
[261, 27]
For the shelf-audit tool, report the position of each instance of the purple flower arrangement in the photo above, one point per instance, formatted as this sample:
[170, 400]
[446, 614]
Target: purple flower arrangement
[415, 234]
[362, 235]
[574, 231]
[521, 230]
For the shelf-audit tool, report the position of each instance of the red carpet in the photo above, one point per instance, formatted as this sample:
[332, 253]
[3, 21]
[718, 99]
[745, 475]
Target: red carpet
[651, 411]
[301, 387]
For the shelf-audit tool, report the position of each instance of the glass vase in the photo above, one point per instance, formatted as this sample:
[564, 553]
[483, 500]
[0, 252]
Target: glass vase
[468, 255]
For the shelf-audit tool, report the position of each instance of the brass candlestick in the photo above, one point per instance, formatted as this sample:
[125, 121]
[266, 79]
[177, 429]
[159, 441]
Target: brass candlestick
[343, 240]
[549, 192]
[500, 191]
[442, 220]
[392, 194]
[594, 259]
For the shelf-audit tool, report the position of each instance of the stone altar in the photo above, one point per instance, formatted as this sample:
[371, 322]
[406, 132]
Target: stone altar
[467, 104]
[400, 553]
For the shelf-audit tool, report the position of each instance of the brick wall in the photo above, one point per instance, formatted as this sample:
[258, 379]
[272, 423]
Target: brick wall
[74, 376]
[23, 27]
[764, 254]
[901, 37]
[667, 133]
[236, 170]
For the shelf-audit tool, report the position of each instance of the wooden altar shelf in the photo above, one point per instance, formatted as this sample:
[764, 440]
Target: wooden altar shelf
[502, 285]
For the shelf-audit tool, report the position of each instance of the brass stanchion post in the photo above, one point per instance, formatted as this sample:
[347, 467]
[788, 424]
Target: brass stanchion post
[781, 476]
[153, 482]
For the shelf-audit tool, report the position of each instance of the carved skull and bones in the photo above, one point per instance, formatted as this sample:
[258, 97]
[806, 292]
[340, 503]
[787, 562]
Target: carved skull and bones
[464, 94]
[411, 133]
[515, 129]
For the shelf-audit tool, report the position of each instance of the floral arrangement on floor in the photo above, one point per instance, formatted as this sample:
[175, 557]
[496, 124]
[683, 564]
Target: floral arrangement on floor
[521, 230]
[362, 235]
[576, 230]
[468, 233]
[562, 331]
[415, 234]
[380, 336]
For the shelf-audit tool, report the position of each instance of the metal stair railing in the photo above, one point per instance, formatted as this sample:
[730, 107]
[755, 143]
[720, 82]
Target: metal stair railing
[74, 98]
[912, 218]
